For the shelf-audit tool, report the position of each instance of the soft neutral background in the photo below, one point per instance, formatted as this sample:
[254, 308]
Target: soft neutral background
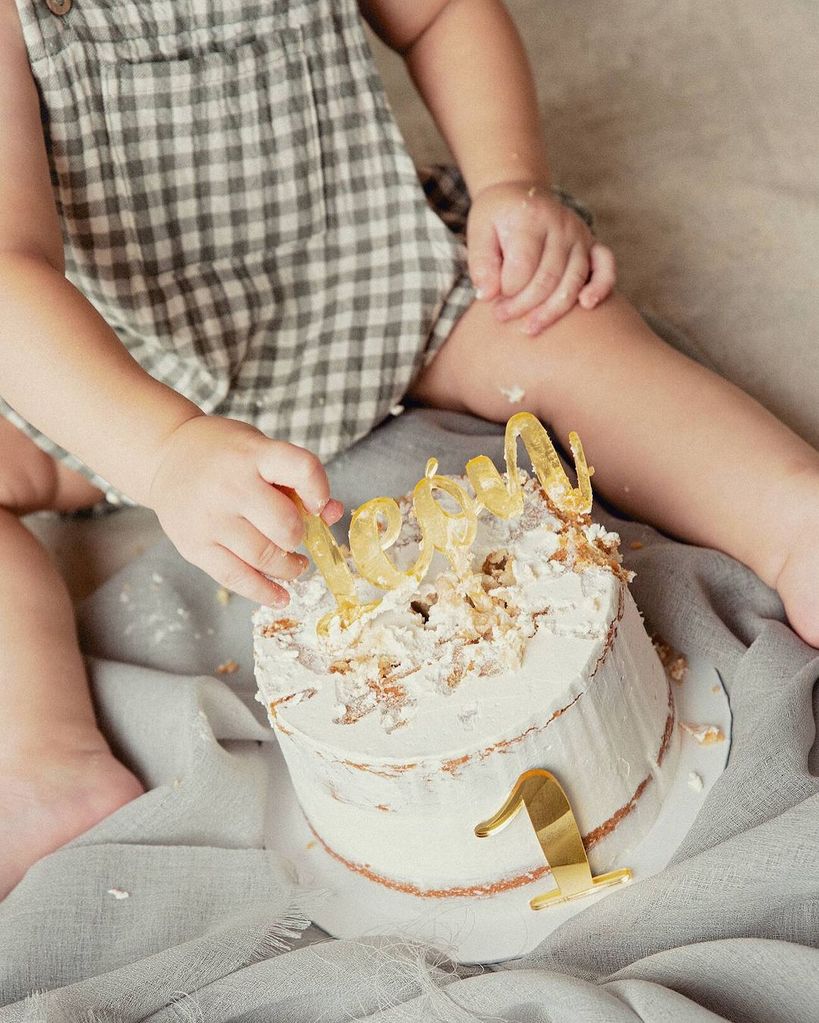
[691, 129]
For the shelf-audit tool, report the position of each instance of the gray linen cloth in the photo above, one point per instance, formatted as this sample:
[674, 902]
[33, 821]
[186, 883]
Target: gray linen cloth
[214, 928]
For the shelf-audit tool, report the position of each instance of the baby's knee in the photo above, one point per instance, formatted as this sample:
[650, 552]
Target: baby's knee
[31, 480]
[28, 485]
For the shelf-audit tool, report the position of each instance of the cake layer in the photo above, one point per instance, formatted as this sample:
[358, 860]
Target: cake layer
[411, 822]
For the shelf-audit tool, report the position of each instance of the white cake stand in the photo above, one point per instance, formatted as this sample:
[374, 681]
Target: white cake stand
[499, 927]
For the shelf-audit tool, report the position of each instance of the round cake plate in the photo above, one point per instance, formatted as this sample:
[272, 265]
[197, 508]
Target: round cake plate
[499, 927]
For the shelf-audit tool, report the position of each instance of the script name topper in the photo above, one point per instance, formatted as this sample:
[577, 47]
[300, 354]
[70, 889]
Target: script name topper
[376, 525]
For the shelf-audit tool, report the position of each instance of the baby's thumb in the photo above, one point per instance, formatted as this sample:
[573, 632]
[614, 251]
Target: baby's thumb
[484, 256]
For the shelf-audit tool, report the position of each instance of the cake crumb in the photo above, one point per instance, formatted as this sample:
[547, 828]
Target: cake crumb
[513, 394]
[675, 663]
[228, 668]
[705, 735]
[177, 783]
[223, 596]
[124, 597]
[716, 688]
[678, 669]
[396, 410]
[695, 781]
[311, 844]
[279, 625]
[157, 578]
[118, 893]
[636, 545]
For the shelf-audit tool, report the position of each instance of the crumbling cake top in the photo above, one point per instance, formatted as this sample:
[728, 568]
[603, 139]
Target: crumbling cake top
[537, 608]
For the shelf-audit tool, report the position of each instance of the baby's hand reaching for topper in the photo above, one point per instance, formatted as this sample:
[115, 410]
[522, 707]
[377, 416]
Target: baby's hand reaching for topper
[220, 492]
[534, 257]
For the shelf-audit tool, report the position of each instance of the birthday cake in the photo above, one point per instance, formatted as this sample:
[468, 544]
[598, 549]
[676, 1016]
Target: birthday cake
[510, 642]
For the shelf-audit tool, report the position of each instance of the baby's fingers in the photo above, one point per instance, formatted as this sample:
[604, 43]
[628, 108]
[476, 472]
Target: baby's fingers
[603, 276]
[274, 515]
[238, 577]
[542, 284]
[290, 466]
[564, 297]
[333, 511]
[521, 256]
[484, 257]
[258, 551]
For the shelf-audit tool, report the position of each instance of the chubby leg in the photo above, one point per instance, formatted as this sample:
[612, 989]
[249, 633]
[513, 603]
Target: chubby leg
[57, 774]
[673, 443]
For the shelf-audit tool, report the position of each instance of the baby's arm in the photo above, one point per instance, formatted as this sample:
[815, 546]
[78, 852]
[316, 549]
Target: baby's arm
[525, 248]
[212, 481]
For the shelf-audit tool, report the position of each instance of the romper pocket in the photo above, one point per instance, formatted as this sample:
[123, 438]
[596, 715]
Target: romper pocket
[215, 155]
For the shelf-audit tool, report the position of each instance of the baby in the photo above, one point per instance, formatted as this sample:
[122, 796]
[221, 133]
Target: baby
[218, 270]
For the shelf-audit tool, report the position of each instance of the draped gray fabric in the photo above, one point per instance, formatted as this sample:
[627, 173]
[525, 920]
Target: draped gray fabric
[213, 927]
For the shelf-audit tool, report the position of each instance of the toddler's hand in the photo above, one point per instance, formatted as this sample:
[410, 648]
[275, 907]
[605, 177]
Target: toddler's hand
[220, 494]
[534, 256]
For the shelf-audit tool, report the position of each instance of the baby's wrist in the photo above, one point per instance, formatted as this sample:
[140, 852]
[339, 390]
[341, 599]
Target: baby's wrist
[146, 461]
[537, 183]
[167, 440]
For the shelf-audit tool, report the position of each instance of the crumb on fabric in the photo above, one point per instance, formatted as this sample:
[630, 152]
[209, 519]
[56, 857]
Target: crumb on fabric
[118, 893]
[675, 663]
[396, 410]
[678, 669]
[636, 545]
[157, 578]
[705, 735]
[695, 781]
[223, 596]
[228, 668]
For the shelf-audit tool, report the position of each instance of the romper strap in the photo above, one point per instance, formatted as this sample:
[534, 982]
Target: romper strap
[44, 30]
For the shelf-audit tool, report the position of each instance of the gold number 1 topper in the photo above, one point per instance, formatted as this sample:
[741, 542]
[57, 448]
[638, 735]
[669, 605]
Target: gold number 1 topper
[555, 825]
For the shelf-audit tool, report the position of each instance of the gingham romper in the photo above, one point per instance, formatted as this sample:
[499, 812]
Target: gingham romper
[238, 204]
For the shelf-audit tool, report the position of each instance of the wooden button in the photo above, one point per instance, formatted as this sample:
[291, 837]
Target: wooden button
[59, 7]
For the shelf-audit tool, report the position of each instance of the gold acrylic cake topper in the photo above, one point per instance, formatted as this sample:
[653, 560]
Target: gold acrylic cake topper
[376, 525]
[555, 826]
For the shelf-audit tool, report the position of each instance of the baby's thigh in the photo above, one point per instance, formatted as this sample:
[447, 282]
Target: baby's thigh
[31, 480]
[493, 369]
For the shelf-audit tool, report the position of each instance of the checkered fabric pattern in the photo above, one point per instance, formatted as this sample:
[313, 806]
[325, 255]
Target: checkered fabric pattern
[238, 204]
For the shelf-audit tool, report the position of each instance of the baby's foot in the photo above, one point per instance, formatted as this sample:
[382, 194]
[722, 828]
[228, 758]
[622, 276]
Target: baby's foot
[49, 797]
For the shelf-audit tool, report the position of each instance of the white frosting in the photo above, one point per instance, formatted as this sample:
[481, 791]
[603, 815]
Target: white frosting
[400, 734]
